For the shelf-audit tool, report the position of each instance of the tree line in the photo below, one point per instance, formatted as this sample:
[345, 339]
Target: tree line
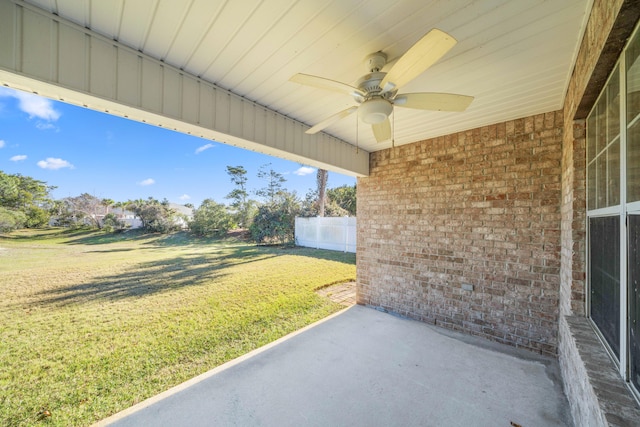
[26, 203]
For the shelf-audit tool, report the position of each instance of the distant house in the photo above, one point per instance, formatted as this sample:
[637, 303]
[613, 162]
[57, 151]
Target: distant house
[185, 214]
[128, 217]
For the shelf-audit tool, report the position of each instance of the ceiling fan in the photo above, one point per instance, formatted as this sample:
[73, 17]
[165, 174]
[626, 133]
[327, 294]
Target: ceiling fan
[376, 93]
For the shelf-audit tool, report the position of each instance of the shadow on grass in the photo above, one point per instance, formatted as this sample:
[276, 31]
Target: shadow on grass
[184, 239]
[41, 234]
[152, 278]
[343, 257]
[94, 237]
[181, 238]
[106, 251]
[178, 239]
[75, 236]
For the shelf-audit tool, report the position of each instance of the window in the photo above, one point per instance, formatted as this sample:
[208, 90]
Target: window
[633, 119]
[613, 210]
[603, 148]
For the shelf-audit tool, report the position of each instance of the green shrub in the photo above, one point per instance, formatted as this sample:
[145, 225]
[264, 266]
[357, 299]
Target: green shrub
[111, 223]
[275, 221]
[211, 219]
[37, 217]
[11, 220]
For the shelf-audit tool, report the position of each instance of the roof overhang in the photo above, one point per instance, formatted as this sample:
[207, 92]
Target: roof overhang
[220, 70]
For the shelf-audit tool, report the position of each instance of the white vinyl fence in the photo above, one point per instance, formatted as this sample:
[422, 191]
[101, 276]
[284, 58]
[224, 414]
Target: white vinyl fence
[335, 234]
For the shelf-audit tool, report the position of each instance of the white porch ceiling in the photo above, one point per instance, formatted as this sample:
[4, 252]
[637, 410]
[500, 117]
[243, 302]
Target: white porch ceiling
[514, 57]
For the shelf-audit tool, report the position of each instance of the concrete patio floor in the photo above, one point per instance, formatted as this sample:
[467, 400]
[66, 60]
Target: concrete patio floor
[363, 367]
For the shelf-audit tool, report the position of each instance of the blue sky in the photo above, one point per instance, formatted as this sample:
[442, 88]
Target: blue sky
[84, 151]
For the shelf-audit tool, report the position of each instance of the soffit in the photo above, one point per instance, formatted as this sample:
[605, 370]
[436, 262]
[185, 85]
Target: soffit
[514, 57]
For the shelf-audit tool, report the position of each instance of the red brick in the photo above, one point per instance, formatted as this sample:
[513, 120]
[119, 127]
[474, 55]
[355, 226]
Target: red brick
[479, 207]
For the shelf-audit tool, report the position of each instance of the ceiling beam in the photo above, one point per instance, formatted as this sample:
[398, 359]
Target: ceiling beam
[45, 54]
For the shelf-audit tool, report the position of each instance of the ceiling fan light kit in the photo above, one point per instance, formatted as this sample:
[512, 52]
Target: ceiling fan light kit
[376, 92]
[375, 110]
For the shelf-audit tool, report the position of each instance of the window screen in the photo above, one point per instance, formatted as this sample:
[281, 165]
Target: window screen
[634, 298]
[605, 277]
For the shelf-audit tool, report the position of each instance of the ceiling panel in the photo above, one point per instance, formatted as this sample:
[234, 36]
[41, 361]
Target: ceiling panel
[135, 22]
[514, 57]
[202, 16]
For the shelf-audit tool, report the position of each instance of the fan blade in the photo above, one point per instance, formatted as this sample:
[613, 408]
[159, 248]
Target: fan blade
[382, 130]
[322, 83]
[433, 101]
[330, 120]
[422, 55]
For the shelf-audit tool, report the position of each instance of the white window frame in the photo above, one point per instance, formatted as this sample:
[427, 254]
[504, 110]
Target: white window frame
[622, 210]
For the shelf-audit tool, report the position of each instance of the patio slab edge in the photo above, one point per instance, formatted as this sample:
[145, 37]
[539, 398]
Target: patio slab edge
[195, 380]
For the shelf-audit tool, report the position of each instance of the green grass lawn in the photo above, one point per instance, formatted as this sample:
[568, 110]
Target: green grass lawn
[91, 324]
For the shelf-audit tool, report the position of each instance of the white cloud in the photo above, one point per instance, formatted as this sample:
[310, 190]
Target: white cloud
[2, 143]
[304, 170]
[33, 105]
[148, 181]
[204, 147]
[18, 158]
[54, 164]
[46, 126]
[185, 197]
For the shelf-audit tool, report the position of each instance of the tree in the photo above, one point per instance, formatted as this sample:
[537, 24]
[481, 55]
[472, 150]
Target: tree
[11, 220]
[9, 190]
[156, 216]
[345, 197]
[119, 209]
[20, 192]
[275, 221]
[88, 208]
[274, 183]
[26, 195]
[62, 214]
[37, 217]
[321, 180]
[238, 176]
[211, 219]
[107, 203]
[112, 223]
[244, 208]
[309, 206]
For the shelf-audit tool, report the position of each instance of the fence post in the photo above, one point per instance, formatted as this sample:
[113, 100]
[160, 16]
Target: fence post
[345, 230]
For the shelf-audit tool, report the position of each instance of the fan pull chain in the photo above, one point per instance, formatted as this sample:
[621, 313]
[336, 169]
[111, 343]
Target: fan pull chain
[357, 126]
[393, 130]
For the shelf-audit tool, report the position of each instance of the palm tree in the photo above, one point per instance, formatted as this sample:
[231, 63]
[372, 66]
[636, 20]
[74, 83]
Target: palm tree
[321, 179]
[107, 203]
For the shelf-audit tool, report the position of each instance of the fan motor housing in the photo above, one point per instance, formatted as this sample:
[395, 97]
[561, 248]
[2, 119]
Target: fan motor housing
[370, 83]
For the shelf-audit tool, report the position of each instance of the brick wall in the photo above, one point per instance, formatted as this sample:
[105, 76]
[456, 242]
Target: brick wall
[591, 71]
[573, 211]
[585, 408]
[480, 207]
